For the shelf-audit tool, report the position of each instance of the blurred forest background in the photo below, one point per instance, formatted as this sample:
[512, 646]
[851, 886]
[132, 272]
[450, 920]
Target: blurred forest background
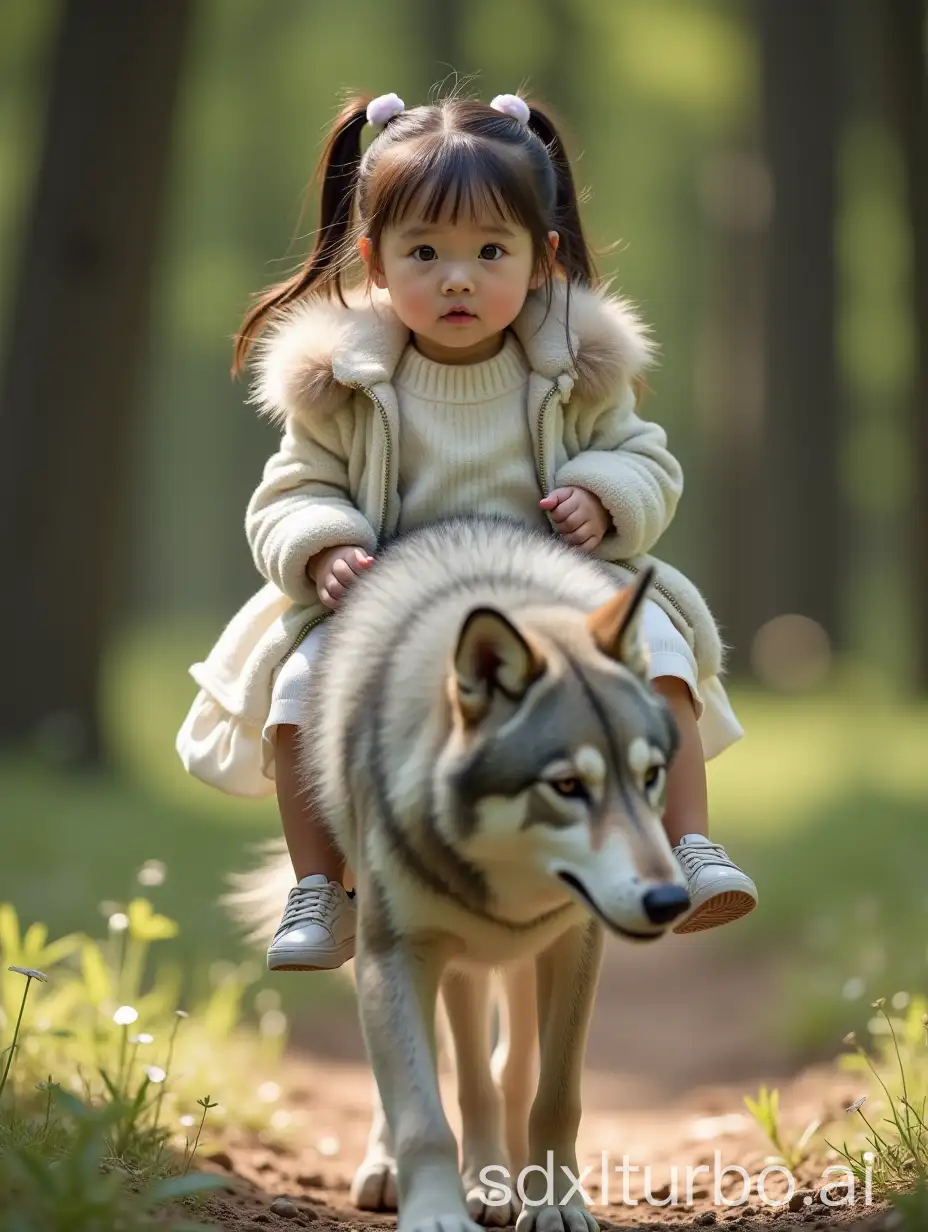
[758, 183]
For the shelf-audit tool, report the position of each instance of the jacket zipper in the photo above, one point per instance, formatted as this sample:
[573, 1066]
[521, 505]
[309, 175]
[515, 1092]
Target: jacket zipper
[658, 587]
[384, 496]
[544, 480]
[542, 460]
[317, 620]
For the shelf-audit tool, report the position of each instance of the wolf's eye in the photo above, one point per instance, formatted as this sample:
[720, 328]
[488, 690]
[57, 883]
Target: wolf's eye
[652, 776]
[572, 788]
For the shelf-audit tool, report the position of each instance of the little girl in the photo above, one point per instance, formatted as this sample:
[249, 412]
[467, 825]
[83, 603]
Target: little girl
[479, 370]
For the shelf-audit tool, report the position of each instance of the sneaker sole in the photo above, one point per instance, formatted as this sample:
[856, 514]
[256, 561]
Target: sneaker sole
[299, 960]
[720, 909]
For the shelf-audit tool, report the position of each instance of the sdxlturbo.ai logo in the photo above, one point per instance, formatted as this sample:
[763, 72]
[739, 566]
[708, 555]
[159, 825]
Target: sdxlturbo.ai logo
[561, 1186]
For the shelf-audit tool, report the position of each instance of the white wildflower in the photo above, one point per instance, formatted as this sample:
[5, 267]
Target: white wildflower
[152, 873]
[30, 973]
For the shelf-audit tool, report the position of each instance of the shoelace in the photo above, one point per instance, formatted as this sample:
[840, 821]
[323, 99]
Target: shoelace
[693, 857]
[307, 905]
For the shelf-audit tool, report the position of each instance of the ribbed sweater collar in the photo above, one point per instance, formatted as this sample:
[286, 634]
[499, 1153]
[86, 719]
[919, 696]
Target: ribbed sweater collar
[459, 383]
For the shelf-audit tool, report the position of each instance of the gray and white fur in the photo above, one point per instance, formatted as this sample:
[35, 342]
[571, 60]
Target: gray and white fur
[482, 740]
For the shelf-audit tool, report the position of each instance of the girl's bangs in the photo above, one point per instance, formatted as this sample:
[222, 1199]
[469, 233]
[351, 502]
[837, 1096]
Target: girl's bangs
[444, 179]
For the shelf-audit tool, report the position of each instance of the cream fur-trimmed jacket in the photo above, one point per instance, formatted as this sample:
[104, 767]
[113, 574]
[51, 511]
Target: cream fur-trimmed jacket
[323, 372]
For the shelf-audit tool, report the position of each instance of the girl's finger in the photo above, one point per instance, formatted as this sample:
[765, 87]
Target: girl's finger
[565, 509]
[574, 521]
[344, 572]
[554, 498]
[581, 534]
[334, 587]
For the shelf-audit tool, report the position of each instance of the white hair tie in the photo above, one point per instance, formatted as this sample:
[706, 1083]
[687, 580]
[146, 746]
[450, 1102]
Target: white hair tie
[512, 105]
[384, 108]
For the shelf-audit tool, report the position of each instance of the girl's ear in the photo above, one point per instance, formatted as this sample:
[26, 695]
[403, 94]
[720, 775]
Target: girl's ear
[367, 256]
[550, 256]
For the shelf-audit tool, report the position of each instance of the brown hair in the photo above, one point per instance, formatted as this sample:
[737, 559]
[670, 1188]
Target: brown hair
[455, 150]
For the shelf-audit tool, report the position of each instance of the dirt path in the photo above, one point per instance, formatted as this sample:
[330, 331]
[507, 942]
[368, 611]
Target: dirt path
[677, 1041]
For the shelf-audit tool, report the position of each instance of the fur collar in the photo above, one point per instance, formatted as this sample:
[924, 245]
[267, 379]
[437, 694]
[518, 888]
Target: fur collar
[317, 350]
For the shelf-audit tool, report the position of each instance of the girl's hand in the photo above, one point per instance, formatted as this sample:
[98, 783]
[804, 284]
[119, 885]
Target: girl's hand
[335, 570]
[580, 516]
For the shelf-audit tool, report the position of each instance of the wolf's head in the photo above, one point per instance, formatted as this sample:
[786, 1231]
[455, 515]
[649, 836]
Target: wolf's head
[557, 767]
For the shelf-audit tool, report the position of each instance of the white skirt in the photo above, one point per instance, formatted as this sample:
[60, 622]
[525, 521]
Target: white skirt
[670, 656]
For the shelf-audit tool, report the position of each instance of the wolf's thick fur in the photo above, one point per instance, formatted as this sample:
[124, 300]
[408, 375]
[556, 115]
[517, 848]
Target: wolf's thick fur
[482, 741]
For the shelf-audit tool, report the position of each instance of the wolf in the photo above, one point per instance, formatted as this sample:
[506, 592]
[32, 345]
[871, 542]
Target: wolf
[483, 743]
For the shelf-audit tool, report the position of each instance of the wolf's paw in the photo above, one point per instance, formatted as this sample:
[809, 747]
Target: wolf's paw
[484, 1205]
[556, 1219]
[440, 1223]
[374, 1185]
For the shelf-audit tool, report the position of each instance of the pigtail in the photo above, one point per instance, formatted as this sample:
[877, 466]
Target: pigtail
[338, 169]
[573, 251]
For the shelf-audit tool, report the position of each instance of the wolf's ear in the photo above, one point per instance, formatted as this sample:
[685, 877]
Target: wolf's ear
[491, 656]
[616, 625]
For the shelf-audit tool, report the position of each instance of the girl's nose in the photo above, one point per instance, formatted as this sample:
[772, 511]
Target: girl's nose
[457, 280]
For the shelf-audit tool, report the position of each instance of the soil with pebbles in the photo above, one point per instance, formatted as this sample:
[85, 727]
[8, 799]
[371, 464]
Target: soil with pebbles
[678, 1039]
[309, 1187]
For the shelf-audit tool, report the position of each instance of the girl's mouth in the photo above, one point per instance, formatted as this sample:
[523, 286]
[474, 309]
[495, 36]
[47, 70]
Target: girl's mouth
[459, 316]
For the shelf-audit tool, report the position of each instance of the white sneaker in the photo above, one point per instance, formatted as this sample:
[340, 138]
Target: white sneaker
[317, 929]
[719, 891]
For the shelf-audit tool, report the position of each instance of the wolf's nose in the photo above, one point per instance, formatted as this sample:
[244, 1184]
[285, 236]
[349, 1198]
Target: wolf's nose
[665, 903]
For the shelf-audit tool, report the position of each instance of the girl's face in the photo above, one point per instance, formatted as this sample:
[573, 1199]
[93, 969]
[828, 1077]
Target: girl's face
[456, 286]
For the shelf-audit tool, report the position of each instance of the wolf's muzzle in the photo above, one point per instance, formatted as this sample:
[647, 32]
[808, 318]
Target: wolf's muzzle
[576, 885]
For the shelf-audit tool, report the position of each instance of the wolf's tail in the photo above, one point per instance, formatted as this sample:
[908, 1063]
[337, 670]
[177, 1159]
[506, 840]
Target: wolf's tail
[258, 897]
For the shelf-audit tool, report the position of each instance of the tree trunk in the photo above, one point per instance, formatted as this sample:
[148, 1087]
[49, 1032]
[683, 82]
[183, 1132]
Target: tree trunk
[735, 203]
[801, 547]
[907, 79]
[77, 350]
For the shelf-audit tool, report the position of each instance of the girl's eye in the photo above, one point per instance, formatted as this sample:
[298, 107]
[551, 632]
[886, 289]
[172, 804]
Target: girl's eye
[425, 252]
[490, 248]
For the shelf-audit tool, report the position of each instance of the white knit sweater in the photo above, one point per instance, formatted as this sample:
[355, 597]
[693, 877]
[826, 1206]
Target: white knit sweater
[466, 446]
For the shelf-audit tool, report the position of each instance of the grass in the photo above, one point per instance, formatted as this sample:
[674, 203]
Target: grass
[896, 1133]
[823, 803]
[881, 1140]
[93, 1144]
[62, 1174]
[112, 1010]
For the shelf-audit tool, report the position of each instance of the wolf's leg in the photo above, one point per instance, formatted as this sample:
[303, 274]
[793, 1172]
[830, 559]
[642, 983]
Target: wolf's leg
[514, 1058]
[467, 999]
[373, 1187]
[567, 976]
[397, 993]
